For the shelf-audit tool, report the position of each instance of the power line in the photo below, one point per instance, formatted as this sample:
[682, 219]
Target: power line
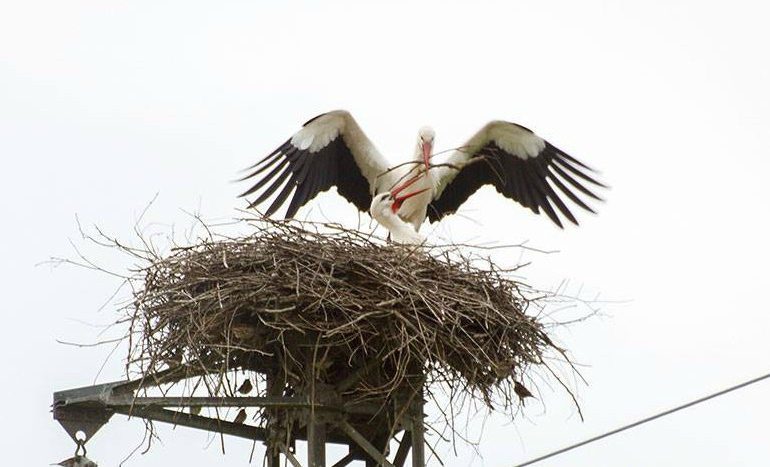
[645, 420]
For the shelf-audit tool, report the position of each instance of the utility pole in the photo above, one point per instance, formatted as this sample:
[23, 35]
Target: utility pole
[318, 413]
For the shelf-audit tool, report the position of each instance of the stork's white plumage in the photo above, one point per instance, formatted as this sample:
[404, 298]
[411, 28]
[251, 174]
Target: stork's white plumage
[382, 210]
[332, 150]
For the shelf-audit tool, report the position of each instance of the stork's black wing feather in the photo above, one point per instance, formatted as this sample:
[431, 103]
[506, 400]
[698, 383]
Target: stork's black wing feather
[308, 174]
[534, 182]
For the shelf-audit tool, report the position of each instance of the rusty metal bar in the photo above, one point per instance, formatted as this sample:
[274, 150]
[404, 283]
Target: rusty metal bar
[418, 431]
[403, 449]
[364, 444]
[194, 421]
[349, 457]
[272, 402]
[119, 393]
[290, 457]
[273, 390]
[316, 441]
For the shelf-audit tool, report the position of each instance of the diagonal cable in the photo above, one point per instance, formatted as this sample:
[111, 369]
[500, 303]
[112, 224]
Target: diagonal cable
[645, 420]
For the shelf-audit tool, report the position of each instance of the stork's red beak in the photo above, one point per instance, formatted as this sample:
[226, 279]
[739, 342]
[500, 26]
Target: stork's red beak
[399, 200]
[427, 148]
[409, 182]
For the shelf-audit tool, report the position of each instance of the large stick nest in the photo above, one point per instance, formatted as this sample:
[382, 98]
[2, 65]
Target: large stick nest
[289, 295]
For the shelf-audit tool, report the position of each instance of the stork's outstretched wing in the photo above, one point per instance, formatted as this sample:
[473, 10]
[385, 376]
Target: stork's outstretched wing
[520, 165]
[330, 150]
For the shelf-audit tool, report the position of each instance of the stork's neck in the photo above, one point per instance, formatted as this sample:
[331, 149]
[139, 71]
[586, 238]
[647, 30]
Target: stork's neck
[400, 231]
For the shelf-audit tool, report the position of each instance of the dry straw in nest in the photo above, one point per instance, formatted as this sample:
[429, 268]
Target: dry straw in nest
[291, 294]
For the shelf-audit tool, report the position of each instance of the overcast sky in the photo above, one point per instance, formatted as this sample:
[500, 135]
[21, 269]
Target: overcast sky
[103, 104]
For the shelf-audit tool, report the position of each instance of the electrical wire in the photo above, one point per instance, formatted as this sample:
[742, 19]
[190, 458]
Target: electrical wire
[645, 420]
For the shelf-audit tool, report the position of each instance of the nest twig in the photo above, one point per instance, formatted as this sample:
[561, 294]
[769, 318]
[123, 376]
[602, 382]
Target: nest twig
[241, 297]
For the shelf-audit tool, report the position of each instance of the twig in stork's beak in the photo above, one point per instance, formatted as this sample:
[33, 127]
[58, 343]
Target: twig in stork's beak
[399, 200]
[409, 182]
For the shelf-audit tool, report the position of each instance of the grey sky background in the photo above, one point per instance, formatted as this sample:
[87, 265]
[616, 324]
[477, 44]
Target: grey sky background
[104, 104]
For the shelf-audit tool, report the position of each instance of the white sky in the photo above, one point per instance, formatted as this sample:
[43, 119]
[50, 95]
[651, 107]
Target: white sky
[103, 104]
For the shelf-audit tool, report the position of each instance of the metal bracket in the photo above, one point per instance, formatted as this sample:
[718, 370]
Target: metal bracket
[84, 409]
[87, 409]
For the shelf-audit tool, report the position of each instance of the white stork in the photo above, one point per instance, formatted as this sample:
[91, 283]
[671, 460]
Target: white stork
[384, 210]
[332, 150]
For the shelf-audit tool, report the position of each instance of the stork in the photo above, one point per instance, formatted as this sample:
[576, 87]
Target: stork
[384, 209]
[332, 150]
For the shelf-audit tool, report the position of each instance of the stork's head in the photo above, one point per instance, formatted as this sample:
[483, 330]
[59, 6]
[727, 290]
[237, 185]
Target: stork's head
[382, 205]
[425, 138]
[384, 210]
